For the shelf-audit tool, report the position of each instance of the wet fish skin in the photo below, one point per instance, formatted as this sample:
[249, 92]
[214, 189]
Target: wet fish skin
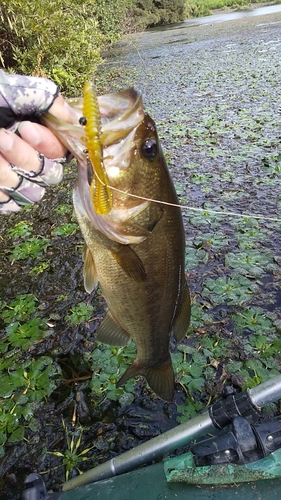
[136, 252]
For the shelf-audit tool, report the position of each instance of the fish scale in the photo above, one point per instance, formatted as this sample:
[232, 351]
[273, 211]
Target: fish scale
[136, 251]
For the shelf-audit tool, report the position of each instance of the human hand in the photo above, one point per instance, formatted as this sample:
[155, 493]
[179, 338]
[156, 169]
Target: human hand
[32, 160]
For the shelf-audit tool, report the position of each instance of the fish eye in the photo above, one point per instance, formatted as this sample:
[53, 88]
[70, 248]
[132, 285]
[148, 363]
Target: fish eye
[149, 149]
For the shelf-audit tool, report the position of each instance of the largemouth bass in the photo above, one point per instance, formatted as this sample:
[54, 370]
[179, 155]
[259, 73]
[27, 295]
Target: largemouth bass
[136, 250]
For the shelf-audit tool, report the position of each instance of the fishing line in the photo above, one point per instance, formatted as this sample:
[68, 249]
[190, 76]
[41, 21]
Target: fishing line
[187, 207]
[124, 60]
[182, 207]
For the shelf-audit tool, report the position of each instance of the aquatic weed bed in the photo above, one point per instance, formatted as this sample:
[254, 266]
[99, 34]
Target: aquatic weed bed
[214, 92]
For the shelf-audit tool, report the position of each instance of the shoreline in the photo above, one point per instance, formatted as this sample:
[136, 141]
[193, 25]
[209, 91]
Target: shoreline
[250, 6]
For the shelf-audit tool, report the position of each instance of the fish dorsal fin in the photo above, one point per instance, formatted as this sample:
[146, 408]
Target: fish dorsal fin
[89, 270]
[130, 262]
[111, 333]
[182, 317]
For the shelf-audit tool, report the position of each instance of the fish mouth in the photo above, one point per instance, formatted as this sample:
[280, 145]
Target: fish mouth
[120, 113]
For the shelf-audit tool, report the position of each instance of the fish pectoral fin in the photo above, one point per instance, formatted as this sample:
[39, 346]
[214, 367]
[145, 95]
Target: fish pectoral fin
[89, 270]
[160, 378]
[182, 317]
[130, 262]
[111, 333]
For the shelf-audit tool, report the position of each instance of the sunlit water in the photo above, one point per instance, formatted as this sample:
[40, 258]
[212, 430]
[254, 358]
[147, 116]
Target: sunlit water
[227, 16]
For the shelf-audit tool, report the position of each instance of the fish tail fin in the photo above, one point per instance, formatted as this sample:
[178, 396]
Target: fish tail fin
[160, 378]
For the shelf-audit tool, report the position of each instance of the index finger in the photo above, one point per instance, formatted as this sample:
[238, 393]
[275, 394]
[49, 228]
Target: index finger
[42, 139]
[61, 110]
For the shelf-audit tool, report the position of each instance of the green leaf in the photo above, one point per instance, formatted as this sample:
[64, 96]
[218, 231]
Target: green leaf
[195, 370]
[80, 313]
[65, 230]
[17, 435]
[196, 384]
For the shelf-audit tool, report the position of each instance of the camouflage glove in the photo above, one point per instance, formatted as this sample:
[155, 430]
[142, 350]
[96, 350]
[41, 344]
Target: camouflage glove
[26, 98]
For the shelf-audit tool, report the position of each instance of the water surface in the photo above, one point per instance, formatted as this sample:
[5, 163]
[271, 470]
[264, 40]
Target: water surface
[223, 17]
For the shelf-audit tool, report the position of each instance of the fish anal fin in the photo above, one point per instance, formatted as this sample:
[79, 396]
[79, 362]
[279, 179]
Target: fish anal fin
[130, 262]
[182, 317]
[89, 271]
[111, 333]
[160, 378]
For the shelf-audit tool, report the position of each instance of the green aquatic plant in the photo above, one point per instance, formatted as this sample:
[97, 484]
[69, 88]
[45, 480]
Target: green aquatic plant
[250, 237]
[201, 178]
[254, 319]
[32, 247]
[41, 268]
[189, 371]
[207, 218]
[80, 313]
[64, 208]
[199, 317]
[234, 290]
[24, 383]
[195, 257]
[108, 365]
[21, 229]
[189, 410]
[19, 309]
[65, 230]
[251, 262]
[215, 240]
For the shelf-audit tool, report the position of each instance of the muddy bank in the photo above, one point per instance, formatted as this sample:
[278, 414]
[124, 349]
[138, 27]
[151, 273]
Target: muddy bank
[214, 92]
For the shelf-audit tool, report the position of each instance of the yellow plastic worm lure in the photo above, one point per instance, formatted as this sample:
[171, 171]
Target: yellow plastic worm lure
[99, 188]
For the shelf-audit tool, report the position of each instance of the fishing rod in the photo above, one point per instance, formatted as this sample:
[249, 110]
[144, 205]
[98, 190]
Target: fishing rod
[218, 416]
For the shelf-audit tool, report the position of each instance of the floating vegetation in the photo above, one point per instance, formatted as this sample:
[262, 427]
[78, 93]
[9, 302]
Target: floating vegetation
[25, 382]
[108, 365]
[80, 313]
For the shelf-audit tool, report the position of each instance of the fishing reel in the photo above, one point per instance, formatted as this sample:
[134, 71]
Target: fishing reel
[245, 443]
